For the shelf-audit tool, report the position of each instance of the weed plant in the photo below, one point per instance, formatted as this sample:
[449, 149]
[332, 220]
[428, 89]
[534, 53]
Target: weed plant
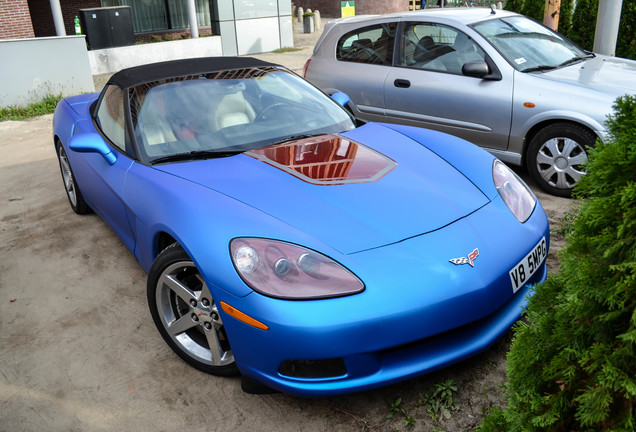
[45, 106]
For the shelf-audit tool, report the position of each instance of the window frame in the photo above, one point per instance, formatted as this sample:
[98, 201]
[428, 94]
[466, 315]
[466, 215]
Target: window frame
[388, 59]
[129, 148]
[494, 75]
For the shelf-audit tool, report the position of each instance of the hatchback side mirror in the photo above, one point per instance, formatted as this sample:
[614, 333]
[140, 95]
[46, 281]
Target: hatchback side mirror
[477, 69]
[480, 69]
[92, 143]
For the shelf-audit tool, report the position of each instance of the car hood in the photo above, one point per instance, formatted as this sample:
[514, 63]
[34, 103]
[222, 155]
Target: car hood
[611, 75]
[345, 194]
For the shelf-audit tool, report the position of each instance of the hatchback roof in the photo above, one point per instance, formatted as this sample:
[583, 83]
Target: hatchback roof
[464, 15]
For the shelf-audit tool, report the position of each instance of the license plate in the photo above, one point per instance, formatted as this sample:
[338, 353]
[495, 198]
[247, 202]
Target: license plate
[522, 272]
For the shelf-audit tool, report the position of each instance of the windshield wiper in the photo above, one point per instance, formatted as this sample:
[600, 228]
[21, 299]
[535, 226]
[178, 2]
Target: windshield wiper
[296, 137]
[541, 68]
[574, 60]
[196, 155]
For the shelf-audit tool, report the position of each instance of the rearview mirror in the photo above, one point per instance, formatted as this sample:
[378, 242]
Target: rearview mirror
[92, 143]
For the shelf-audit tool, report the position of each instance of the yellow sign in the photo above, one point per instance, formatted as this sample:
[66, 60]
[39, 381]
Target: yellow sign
[347, 8]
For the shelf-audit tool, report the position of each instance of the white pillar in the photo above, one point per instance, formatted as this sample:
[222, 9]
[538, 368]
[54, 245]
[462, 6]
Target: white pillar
[192, 18]
[57, 17]
[609, 17]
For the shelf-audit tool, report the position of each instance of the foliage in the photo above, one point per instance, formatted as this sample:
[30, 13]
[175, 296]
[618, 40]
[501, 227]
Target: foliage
[565, 16]
[442, 401]
[584, 24]
[395, 408]
[572, 364]
[514, 5]
[626, 44]
[534, 9]
[45, 106]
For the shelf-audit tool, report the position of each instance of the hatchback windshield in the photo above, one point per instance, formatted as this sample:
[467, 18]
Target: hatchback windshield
[528, 46]
[229, 112]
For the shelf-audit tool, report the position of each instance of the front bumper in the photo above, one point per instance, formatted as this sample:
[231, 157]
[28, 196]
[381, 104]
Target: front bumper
[419, 312]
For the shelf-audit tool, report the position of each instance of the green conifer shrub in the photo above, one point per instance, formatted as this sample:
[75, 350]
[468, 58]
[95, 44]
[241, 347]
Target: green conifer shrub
[572, 363]
[583, 26]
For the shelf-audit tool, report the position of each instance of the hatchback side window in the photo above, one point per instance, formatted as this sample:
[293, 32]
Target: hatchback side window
[372, 44]
[110, 116]
[437, 48]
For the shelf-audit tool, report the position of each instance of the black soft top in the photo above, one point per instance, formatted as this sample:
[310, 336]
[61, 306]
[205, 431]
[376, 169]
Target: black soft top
[175, 68]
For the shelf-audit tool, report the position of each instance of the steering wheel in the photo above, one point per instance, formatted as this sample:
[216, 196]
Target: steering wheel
[262, 116]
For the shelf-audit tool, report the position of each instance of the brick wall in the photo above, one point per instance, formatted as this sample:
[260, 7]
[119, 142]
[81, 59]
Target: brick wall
[331, 8]
[15, 20]
[42, 16]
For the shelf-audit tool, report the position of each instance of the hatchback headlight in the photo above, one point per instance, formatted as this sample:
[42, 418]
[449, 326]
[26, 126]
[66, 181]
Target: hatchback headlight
[515, 193]
[284, 270]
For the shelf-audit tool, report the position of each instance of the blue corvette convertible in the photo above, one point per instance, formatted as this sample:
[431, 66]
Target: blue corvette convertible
[286, 240]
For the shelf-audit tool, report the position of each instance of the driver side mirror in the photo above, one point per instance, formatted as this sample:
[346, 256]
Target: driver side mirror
[480, 69]
[477, 69]
[342, 98]
[92, 143]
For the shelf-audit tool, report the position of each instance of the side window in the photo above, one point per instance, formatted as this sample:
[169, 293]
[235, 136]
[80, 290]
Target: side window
[372, 44]
[110, 116]
[437, 48]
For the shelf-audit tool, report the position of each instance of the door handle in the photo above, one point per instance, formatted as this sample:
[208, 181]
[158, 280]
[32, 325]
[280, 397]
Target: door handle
[402, 83]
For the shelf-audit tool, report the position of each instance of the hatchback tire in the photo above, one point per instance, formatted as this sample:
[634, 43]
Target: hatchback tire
[556, 157]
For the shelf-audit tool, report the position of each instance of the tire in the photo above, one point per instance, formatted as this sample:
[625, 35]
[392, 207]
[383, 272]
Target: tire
[556, 156]
[73, 192]
[186, 315]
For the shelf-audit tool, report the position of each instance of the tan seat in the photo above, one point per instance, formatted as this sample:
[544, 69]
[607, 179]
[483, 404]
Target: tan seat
[232, 110]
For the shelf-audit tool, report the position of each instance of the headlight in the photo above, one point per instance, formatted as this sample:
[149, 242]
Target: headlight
[515, 193]
[284, 270]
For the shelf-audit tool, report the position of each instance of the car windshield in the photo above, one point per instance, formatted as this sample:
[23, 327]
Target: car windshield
[229, 112]
[528, 46]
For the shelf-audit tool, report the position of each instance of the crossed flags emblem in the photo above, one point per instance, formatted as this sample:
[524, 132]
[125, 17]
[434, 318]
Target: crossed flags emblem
[463, 260]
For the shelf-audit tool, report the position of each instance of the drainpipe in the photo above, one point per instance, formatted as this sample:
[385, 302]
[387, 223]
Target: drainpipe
[57, 17]
[192, 18]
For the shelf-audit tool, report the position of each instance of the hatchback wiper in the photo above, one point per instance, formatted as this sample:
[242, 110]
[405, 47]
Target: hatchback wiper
[196, 155]
[574, 60]
[540, 68]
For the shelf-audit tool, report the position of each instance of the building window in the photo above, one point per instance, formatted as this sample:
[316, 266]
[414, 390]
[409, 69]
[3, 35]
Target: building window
[158, 15]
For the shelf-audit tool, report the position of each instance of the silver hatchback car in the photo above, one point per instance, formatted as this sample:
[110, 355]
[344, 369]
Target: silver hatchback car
[495, 78]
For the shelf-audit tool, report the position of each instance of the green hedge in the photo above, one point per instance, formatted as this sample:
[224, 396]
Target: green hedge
[572, 363]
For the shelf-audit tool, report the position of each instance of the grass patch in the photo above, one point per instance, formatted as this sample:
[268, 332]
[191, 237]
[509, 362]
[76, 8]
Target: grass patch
[45, 106]
[286, 50]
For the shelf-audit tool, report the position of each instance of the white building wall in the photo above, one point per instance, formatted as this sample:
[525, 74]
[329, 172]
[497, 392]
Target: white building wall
[34, 68]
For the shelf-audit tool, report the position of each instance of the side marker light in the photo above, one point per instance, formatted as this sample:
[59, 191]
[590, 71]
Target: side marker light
[242, 317]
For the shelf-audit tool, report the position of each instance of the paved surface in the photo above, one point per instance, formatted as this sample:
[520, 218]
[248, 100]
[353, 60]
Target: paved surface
[79, 350]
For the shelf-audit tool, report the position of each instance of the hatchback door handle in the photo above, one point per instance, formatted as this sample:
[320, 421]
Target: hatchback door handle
[402, 83]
